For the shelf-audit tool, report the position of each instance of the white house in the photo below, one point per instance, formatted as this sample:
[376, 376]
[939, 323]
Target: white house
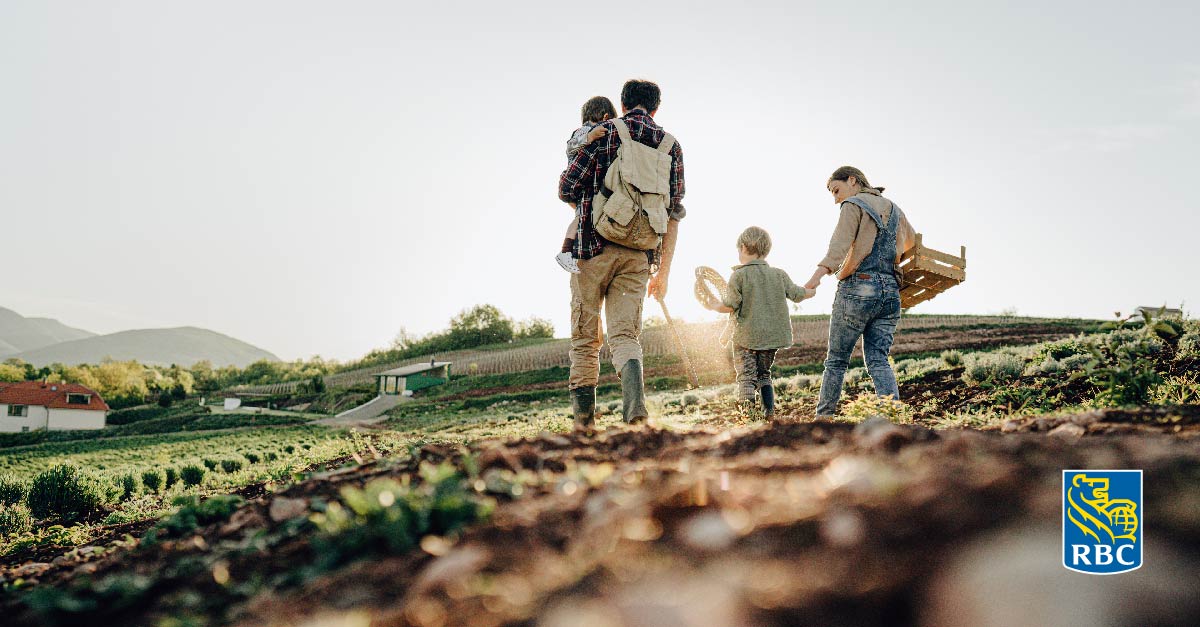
[33, 405]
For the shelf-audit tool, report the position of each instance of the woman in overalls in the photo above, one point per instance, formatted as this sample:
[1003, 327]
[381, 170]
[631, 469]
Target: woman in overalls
[871, 235]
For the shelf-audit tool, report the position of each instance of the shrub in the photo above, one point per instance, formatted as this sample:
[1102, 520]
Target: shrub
[992, 368]
[253, 458]
[231, 465]
[1046, 367]
[691, 400]
[289, 449]
[952, 358]
[12, 490]
[1078, 362]
[129, 485]
[15, 518]
[1060, 350]
[210, 464]
[192, 515]
[192, 474]
[170, 476]
[165, 400]
[69, 492]
[1189, 345]
[152, 479]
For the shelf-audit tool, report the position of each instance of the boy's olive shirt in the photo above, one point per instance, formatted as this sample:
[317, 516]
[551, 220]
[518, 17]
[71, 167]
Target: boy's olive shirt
[758, 295]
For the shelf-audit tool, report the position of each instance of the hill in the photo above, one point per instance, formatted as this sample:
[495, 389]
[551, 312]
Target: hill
[18, 333]
[183, 345]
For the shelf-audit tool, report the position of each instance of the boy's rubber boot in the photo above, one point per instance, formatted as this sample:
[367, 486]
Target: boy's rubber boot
[768, 401]
[633, 393]
[583, 407]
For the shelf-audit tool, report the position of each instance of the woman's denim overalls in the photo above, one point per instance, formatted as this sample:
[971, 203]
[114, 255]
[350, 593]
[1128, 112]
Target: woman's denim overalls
[869, 308]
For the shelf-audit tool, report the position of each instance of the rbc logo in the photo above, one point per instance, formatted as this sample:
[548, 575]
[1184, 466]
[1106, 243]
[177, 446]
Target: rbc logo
[1102, 521]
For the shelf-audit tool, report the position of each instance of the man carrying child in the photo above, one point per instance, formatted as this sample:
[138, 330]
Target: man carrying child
[611, 275]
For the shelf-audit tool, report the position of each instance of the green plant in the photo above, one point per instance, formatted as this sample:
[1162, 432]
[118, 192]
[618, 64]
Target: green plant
[153, 479]
[15, 518]
[867, 404]
[253, 458]
[129, 485]
[388, 515]
[191, 515]
[70, 493]
[164, 399]
[1189, 345]
[993, 368]
[952, 358]
[192, 475]
[12, 490]
[1046, 367]
[1177, 390]
[231, 465]
[210, 464]
[1126, 378]
[170, 476]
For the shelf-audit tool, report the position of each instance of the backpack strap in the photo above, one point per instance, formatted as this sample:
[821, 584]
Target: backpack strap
[667, 143]
[622, 130]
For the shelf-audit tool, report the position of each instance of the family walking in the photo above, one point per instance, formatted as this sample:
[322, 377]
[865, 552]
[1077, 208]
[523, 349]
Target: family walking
[625, 182]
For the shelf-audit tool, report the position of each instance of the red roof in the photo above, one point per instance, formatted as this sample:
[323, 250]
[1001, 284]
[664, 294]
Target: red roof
[52, 395]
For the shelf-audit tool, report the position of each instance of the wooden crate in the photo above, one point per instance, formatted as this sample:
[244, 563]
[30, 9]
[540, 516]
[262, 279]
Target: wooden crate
[928, 272]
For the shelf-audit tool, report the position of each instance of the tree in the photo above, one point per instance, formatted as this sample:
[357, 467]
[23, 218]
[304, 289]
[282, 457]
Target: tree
[535, 327]
[164, 399]
[11, 374]
[480, 325]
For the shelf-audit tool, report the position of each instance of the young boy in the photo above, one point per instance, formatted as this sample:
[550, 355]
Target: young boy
[758, 296]
[595, 111]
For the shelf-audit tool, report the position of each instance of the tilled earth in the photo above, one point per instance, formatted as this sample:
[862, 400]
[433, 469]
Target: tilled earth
[797, 523]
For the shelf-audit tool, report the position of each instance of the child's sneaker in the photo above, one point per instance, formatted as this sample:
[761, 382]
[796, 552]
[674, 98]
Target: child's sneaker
[567, 262]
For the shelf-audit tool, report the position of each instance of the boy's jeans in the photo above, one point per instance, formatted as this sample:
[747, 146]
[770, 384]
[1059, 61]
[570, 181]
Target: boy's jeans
[753, 370]
[867, 308]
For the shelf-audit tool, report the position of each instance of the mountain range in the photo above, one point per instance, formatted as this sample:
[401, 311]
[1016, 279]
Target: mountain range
[43, 341]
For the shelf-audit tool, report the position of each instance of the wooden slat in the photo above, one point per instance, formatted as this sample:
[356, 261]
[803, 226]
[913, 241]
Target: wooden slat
[957, 262]
[942, 270]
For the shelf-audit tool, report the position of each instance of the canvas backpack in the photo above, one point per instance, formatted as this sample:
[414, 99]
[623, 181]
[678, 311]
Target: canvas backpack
[631, 210]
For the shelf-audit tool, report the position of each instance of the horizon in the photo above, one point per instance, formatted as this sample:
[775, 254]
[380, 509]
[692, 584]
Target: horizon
[356, 176]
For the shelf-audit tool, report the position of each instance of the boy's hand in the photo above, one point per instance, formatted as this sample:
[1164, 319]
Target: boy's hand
[596, 133]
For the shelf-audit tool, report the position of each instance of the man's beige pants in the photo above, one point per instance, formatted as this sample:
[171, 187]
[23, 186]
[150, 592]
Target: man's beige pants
[616, 279]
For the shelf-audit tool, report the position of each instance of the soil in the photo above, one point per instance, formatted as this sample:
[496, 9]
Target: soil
[795, 523]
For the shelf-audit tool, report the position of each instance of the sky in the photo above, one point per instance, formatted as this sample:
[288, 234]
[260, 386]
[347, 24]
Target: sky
[311, 177]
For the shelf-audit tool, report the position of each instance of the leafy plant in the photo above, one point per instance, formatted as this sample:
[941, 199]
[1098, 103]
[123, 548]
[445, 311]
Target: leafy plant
[15, 518]
[170, 476]
[192, 475]
[992, 368]
[12, 490]
[191, 515]
[152, 479]
[70, 493]
[866, 405]
[129, 485]
[1126, 378]
[952, 358]
[232, 464]
[1177, 390]
[386, 514]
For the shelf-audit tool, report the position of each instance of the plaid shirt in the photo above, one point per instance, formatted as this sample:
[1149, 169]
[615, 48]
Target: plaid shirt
[584, 176]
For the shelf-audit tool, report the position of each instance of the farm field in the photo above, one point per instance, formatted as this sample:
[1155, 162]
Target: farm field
[479, 506]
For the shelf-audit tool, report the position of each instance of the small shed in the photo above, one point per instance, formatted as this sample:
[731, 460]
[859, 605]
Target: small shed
[414, 377]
